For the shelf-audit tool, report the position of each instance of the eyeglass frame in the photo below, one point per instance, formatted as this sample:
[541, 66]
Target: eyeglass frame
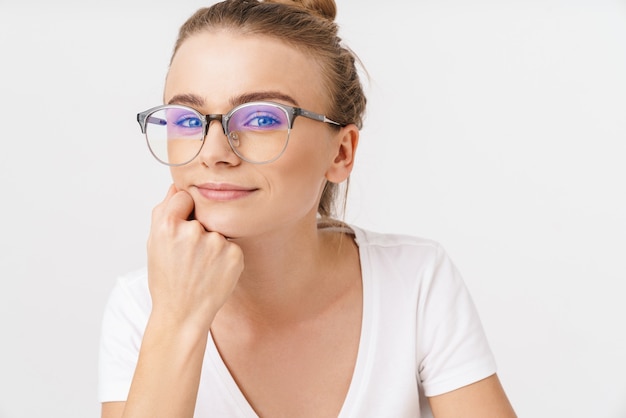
[291, 111]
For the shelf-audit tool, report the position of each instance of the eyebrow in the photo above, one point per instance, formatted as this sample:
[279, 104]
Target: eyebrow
[196, 101]
[187, 99]
[262, 95]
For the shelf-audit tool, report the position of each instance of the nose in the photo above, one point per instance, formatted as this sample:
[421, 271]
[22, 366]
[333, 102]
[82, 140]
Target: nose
[216, 150]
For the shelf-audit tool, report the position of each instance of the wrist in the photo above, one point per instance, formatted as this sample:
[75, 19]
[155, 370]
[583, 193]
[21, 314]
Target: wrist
[166, 326]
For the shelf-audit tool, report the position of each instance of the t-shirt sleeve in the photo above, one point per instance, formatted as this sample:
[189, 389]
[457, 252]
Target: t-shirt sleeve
[123, 324]
[453, 350]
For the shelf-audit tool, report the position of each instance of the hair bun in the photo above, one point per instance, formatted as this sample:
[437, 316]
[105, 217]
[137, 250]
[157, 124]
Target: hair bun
[323, 8]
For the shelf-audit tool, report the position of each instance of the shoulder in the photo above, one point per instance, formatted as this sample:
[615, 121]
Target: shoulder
[131, 293]
[420, 268]
[136, 279]
[370, 238]
[398, 251]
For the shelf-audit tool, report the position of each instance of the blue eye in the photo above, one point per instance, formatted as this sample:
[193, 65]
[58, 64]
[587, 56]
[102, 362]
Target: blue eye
[189, 122]
[259, 118]
[261, 121]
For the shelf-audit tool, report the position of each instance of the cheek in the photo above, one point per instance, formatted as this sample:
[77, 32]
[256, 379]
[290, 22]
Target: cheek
[181, 177]
[302, 172]
[177, 175]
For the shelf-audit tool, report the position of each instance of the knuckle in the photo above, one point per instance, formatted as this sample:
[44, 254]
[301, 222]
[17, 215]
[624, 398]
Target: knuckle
[214, 239]
[235, 254]
[156, 212]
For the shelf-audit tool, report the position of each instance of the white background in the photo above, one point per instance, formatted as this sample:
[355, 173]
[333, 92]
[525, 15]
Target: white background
[495, 127]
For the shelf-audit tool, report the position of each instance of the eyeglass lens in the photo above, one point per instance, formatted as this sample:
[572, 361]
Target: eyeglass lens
[257, 132]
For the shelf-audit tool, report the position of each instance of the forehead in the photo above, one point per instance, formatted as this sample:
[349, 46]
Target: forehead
[219, 66]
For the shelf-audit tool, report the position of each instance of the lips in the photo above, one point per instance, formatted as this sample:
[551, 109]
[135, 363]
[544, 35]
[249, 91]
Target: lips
[224, 191]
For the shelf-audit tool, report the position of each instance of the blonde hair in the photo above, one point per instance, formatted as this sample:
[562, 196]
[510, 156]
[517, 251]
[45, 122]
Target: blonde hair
[306, 25]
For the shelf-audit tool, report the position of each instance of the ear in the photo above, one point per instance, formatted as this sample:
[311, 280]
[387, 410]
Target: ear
[344, 153]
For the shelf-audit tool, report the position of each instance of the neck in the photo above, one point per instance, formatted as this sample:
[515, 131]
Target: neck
[291, 274]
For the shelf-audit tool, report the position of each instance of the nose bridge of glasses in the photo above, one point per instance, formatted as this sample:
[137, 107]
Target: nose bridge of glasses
[215, 117]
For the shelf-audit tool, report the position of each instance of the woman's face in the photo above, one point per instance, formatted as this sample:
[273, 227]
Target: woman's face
[215, 71]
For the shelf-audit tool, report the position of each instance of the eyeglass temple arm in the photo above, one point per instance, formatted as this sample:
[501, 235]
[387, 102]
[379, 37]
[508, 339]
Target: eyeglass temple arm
[314, 116]
[143, 120]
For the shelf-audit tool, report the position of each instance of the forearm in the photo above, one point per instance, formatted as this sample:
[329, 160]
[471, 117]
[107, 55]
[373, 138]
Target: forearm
[167, 376]
[191, 274]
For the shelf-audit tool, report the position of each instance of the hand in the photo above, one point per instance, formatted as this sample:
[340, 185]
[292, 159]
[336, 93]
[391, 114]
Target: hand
[191, 271]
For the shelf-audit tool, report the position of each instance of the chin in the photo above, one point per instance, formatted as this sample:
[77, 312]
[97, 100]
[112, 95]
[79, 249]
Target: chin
[229, 228]
[213, 226]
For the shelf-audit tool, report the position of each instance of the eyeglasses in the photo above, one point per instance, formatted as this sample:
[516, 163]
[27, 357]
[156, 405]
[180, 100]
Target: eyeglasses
[258, 132]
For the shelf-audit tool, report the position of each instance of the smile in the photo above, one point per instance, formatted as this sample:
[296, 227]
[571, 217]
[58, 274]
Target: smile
[224, 192]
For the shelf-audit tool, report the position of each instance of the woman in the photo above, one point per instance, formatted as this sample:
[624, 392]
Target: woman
[255, 302]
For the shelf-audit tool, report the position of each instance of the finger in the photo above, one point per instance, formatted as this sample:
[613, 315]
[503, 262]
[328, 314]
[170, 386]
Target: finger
[180, 205]
[158, 210]
[171, 192]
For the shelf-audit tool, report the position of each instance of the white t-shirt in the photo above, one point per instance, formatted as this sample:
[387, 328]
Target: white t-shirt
[421, 336]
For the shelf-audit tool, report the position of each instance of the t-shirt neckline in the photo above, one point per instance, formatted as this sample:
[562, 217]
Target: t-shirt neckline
[362, 364]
